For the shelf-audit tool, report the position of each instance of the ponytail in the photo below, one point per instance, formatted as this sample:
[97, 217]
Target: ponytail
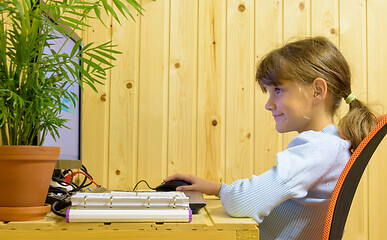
[357, 123]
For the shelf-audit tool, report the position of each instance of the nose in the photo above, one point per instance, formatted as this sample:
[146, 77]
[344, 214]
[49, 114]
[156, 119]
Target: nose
[270, 104]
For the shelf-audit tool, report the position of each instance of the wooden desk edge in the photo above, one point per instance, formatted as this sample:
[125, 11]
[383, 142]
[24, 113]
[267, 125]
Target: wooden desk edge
[212, 217]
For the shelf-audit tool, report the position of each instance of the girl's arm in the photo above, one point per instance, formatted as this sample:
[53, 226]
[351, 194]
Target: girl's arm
[308, 169]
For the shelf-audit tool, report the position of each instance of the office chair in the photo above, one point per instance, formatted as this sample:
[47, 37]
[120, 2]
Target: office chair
[349, 179]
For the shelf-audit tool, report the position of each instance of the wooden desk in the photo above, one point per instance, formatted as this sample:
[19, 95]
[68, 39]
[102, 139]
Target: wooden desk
[212, 222]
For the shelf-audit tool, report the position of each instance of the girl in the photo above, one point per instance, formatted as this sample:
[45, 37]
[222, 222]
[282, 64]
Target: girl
[306, 81]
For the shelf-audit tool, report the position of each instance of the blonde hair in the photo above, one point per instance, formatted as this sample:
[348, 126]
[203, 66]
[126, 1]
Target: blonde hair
[305, 60]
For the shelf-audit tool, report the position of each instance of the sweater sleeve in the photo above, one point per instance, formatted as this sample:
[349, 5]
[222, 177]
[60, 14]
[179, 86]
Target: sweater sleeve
[308, 158]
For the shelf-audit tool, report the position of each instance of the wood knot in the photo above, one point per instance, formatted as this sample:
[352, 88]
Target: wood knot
[129, 85]
[333, 31]
[301, 6]
[241, 8]
[177, 65]
[103, 97]
[214, 123]
[118, 172]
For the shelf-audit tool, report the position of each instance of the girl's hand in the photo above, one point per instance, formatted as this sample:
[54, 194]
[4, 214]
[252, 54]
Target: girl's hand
[198, 184]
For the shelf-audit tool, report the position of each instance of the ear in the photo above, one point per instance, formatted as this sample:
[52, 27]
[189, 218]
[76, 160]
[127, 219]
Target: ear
[320, 89]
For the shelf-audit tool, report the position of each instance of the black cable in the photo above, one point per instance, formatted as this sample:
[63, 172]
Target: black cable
[63, 204]
[145, 183]
[60, 198]
[83, 169]
[57, 190]
[82, 185]
[65, 184]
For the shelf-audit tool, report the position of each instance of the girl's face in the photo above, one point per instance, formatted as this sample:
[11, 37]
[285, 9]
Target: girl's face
[291, 107]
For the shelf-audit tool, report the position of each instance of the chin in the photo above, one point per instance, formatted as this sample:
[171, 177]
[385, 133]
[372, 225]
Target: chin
[283, 130]
[279, 131]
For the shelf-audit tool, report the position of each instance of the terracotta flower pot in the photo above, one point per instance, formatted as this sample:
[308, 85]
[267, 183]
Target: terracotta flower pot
[25, 173]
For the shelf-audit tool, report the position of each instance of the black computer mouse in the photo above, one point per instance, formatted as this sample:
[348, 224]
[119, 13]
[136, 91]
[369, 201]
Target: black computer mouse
[171, 185]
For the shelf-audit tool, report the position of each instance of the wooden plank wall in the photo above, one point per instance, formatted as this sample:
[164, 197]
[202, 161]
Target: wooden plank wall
[182, 97]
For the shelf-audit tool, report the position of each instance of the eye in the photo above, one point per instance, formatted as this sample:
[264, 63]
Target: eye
[277, 90]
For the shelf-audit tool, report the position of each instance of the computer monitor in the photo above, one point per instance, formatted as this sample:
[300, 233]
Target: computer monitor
[69, 139]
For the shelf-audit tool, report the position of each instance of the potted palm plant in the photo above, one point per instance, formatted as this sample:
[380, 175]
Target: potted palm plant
[34, 80]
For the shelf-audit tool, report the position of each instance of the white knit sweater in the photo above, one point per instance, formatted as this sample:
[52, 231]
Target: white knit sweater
[291, 199]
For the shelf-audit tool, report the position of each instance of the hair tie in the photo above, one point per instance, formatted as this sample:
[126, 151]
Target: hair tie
[350, 98]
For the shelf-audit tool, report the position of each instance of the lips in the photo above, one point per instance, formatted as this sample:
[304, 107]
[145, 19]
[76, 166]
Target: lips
[277, 116]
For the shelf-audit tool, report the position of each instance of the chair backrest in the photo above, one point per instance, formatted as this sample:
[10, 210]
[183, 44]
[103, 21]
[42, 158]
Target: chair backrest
[349, 179]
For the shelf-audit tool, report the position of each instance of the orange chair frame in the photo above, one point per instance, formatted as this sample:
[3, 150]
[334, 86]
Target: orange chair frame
[349, 179]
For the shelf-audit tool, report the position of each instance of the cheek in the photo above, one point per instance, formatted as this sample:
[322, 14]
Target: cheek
[295, 107]
[304, 107]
